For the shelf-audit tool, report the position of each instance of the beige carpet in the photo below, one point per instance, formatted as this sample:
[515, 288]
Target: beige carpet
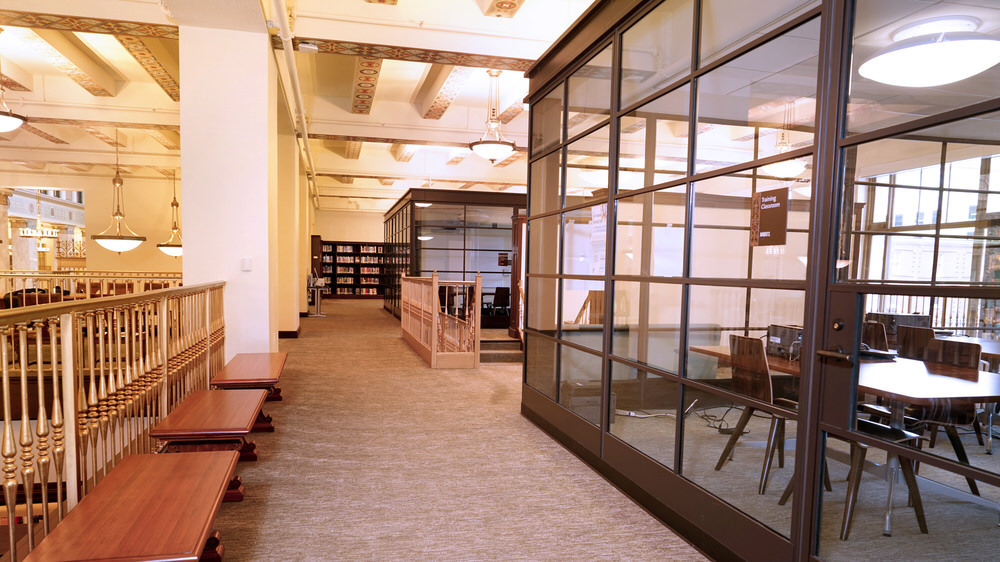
[377, 457]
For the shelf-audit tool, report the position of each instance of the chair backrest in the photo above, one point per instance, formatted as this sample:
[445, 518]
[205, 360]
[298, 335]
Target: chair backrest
[957, 353]
[751, 377]
[873, 335]
[501, 297]
[29, 299]
[911, 341]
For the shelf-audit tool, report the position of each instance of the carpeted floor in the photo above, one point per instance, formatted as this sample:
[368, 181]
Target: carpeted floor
[377, 457]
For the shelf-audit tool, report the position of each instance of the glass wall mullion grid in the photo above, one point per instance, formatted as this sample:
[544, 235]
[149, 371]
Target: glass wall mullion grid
[609, 238]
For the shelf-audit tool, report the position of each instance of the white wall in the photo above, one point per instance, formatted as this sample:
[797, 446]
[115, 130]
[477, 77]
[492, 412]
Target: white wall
[351, 226]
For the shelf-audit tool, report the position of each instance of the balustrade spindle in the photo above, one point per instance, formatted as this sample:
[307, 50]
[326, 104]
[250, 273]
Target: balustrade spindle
[7, 449]
[58, 447]
[26, 440]
[42, 424]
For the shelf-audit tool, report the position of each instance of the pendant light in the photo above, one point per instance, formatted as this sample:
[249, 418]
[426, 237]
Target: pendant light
[8, 119]
[493, 146]
[934, 52]
[173, 246]
[782, 144]
[118, 237]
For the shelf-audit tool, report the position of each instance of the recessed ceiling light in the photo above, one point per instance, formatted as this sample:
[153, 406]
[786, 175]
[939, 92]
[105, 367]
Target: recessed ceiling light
[934, 52]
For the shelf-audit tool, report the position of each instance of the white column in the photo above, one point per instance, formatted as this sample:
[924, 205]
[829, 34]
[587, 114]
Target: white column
[291, 283]
[4, 239]
[229, 165]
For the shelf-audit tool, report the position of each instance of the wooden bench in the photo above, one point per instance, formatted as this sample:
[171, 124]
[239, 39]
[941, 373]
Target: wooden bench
[149, 507]
[213, 420]
[254, 370]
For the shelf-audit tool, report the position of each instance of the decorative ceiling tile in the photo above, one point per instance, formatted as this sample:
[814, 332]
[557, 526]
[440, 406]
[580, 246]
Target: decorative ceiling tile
[511, 112]
[366, 71]
[60, 61]
[111, 124]
[169, 139]
[96, 133]
[514, 157]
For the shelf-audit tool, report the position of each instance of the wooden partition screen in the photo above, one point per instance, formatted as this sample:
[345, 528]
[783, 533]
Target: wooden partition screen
[440, 320]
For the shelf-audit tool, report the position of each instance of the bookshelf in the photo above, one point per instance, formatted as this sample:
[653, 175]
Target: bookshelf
[353, 269]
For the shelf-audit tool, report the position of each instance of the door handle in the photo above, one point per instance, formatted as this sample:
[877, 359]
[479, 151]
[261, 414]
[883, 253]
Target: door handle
[837, 354]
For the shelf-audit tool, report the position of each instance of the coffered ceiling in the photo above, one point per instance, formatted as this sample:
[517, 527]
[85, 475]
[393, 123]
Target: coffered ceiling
[393, 90]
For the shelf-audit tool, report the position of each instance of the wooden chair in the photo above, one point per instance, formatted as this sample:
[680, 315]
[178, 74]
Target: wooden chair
[965, 356]
[501, 301]
[911, 341]
[751, 377]
[873, 335]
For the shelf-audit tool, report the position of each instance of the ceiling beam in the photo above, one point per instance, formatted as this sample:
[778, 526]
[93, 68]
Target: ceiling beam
[96, 123]
[74, 59]
[40, 133]
[171, 140]
[349, 150]
[457, 157]
[87, 25]
[410, 54]
[366, 71]
[440, 87]
[514, 157]
[15, 78]
[158, 60]
[402, 152]
[511, 112]
[389, 2]
[101, 136]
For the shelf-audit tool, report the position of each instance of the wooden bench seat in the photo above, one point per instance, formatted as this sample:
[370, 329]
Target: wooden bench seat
[213, 420]
[253, 370]
[149, 507]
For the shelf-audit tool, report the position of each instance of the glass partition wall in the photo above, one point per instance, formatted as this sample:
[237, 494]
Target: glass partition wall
[458, 235]
[736, 231]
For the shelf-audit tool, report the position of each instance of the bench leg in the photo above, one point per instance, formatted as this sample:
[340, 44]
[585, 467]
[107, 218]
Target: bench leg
[234, 493]
[274, 395]
[213, 550]
[248, 451]
[263, 423]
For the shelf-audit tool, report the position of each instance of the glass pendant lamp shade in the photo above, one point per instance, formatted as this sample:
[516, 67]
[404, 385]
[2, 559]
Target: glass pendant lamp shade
[118, 237]
[492, 145]
[174, 245]
[786, 168]
[933, 53]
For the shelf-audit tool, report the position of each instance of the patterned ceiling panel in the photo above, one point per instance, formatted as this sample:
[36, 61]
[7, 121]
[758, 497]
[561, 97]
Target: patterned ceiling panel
[511, 112]
[112, 124]
[449, 91]
[366, 71]
[12, 85]
[390, 2]
[412, 55]
[163, 139]
[385, 140]
[141, 53]
[89, 25]
[514, 157]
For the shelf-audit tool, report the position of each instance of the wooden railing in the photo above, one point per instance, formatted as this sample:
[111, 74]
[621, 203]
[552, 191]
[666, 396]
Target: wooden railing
[84, 382]
[76, 285]
[440, 320]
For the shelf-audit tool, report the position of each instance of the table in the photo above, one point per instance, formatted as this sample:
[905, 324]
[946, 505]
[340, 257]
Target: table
[902, 381]
[253, 370]
[219, 417]
[149, 507]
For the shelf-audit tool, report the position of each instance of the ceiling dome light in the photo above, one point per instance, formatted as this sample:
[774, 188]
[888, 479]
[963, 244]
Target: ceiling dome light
[932, 53]
[785, 169]
[8, 119]
[118, 237]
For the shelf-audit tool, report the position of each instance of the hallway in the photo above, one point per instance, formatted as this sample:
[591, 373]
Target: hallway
[377, 457]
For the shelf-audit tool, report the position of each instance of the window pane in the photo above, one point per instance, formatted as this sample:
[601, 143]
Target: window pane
[652, 338]
[644, 411]
[727, 25]
[656, 50]
[587, 168]
[488, 217]
[546, 174]
[590, 94]
[440, 214]
[649, 238]
[488, 239]
[540, 364]
[543, 252]
[663, 124]
[546, 121]
[875, 103]
[722, 235]
[583, 312]
[543, 313]
[760, 104]
[585, 238]
[580, 383]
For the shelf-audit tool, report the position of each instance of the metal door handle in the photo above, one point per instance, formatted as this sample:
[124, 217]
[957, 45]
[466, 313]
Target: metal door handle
[837, 353]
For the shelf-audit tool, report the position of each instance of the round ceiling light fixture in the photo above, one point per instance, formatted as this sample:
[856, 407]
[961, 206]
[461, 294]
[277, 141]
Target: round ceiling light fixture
[934, 52]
